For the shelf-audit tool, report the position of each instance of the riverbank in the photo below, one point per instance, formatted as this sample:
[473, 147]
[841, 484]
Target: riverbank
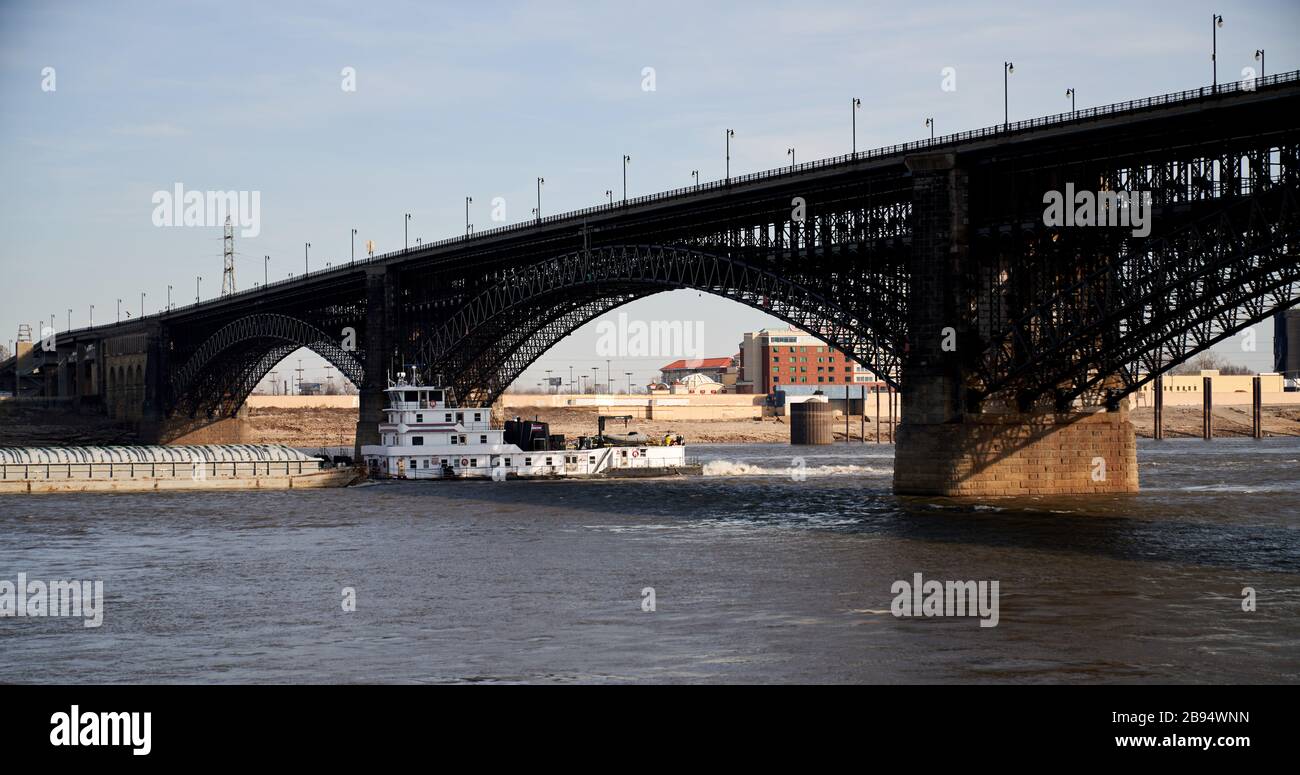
[312, 427]
[330, 427]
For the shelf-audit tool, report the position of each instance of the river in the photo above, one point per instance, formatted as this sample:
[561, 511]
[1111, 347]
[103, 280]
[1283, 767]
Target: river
[765, 569]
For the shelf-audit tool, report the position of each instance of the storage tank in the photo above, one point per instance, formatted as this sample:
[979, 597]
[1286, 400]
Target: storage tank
[811, 421]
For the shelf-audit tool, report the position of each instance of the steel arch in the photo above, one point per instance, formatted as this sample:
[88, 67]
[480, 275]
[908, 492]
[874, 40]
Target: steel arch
[228, 365]
[566, 292]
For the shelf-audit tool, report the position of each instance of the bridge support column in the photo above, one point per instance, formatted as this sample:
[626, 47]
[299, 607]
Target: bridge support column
[380, 336]
[947, 443]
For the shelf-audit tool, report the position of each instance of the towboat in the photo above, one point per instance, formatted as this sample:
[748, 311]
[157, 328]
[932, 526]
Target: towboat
[427, 435]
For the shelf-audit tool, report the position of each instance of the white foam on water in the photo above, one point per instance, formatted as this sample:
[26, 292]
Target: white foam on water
[735, 468]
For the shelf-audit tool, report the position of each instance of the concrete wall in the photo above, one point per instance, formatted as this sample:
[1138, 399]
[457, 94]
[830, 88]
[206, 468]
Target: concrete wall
[302, 402]
[658, 407]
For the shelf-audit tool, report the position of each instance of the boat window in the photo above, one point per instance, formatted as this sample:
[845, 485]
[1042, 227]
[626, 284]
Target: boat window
[592, 460]
[548, 461]
[449, 417]
[482, 439]
[528, 461]
[460, 417]
[417, 441]
[477, 416]
[419, 418]
[462, 440]
[411, 395]
[507, 461]
[473, 462]
[426, 463]
[453, 439]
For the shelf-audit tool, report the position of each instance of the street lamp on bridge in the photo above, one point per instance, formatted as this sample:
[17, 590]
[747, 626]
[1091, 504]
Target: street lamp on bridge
[790, 152]
[930, 123]
[119, 310]
[609, 194]
[197, 282]
[306, 246]
[142, 295]
[92, 315]
[730, 133]
[406, 230]
[469, 200]
[169, 298]
[1070, 93]
[1216, 23]
[857, 104]
[354, 245]
[1007, 69]
[69, 319]
[540, 181]
[626, 159]
[696, 174]
[1259, 54]
[265, 276]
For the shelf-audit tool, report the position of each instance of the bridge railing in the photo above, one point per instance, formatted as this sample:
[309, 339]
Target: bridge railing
[1171, 98]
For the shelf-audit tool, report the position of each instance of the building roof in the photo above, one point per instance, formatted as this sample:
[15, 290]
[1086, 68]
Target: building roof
[204, 453]
[698, 363]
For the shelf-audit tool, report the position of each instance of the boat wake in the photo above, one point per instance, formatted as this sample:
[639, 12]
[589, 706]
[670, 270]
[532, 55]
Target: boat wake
[736, 468]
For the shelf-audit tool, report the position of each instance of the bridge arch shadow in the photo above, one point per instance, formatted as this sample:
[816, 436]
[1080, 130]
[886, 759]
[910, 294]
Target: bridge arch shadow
[483, 347]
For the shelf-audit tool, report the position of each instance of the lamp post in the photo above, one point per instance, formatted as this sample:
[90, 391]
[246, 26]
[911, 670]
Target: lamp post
[730, 133]
[1215, 23]
[790, 152]
[1259, 54]
[609, 194]
[119, 309]
[306, 246]
[92, 315]
[354, 244]
[142, 294]
[69, 328]
[169, 298]
[265, 277]
[1070, 93]
[197, 282]
[930, 123]
[406, 230]
[629, 382]
[696, 174]
[1007, 69]
[857, 104]
[469, 200]
[626, 159]
[540, 181]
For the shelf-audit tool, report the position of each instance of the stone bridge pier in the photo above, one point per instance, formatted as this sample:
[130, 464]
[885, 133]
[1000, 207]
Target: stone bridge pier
[948, 443]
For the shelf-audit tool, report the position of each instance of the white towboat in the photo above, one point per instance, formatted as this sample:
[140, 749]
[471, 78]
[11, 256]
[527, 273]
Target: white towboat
[427, 436]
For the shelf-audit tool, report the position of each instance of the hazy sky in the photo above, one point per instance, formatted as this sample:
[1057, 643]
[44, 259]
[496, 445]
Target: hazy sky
[464, 99]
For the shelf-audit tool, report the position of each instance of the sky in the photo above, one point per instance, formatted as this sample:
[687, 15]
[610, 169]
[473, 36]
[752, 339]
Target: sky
[459, 99]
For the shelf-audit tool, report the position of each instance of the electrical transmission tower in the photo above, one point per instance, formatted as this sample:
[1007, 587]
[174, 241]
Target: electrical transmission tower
[228, 257]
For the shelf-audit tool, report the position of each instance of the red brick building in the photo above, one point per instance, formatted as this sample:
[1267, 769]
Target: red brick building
[775, 358]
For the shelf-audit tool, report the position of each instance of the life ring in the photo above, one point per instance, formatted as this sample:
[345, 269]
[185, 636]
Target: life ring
[636, 452]
[464, 461]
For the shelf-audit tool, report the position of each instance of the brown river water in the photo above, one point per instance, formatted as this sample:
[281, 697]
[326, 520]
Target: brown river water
[758, 576]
